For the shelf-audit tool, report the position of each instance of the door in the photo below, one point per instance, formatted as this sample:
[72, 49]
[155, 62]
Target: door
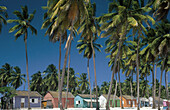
[22, 102]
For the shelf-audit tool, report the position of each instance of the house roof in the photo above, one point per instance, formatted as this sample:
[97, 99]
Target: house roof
[55, 94]
[127, 96]
[111, 96]
[25, 93]
[86, 96]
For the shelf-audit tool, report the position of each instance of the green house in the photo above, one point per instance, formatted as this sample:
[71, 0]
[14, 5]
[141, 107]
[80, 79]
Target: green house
[84, 101]
[103, 101]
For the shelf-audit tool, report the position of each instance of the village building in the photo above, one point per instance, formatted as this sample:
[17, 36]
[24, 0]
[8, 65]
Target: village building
[51, 100]
[103, 101]
[21, 100]
[128, 101]
[84, 101]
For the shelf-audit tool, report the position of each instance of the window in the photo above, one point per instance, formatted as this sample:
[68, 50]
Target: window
[129, 102]
[34, 100]
[123, 102]
[22, 100]
[78, 102]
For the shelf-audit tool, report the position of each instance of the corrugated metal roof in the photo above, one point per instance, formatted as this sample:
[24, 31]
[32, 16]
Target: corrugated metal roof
[25, 93]
[86, 96]
[55, 94]
[111, 96]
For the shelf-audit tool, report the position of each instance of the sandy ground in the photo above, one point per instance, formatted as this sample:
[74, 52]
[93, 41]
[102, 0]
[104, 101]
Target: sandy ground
[117, 108]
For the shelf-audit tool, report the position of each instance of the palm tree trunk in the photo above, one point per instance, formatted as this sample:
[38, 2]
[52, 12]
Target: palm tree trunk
[131, 90]
[91, 105]
[25, 40]
[115, 91]
[166, 83]
[161, 83]
[120, 90]
[153, 87]
[68, 73]
[137, 63]
[114, 69]
[59, 79]
[97, 104]
[64, 68]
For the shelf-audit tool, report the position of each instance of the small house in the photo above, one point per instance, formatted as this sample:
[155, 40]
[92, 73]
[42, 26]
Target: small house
[144, 102]
[84, 101]
[128, 101]
[21, 99]
[51, 100]
[103, 101]
[156, 101]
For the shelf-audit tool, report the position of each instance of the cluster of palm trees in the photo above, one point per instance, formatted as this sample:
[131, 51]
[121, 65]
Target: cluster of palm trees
[135, 46]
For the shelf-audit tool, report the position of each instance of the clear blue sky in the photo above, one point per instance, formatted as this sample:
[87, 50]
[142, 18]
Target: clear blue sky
[41, 52]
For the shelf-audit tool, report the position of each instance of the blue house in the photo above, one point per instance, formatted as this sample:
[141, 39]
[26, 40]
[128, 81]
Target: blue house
[21, 99]
[84, 101]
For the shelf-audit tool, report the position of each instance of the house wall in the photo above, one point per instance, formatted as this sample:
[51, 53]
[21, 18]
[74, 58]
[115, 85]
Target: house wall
[102, 101]
[78, 98]
[127, 104]
[17, 102]
[70, 103]
[48, 96]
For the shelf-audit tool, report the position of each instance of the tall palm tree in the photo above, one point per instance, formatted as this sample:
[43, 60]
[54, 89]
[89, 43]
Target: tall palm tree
[85, 46]
[89, 29]
[68, 13]
[17, 78]
[161, 44]
[3, 14]
[22, 26]
[83, 82]
[55, 32]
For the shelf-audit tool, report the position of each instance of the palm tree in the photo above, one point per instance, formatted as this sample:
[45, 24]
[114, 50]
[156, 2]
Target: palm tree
[85, 46]
[55, 32]
[5, 74]
[104, 87]
[89, 29]
[161, 44]
[17, 78]
[83, 82]
[51, 77]
[160, 8]
[22, 25]
[37, 82]
[3, 13]
[68, 14]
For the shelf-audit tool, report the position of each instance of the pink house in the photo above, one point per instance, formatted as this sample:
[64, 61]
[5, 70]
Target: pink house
[52, 99]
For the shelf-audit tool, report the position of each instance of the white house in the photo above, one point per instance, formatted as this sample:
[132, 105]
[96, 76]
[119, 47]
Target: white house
[103, 101]
[156, 101]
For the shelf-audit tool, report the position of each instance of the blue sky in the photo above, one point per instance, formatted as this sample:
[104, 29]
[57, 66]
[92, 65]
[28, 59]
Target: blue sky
[41, 52]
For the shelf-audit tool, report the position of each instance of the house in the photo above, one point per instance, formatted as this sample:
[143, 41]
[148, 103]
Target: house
[52, 99]
[128, 101]
[144, 102]
[103, 101]
[156, 101]
[84, 101]
[21, 99]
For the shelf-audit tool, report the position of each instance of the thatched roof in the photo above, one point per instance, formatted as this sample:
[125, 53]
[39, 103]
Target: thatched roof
[86, 96]
[127, 97]
[55, 94]
[111, 96]
[25, 93]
